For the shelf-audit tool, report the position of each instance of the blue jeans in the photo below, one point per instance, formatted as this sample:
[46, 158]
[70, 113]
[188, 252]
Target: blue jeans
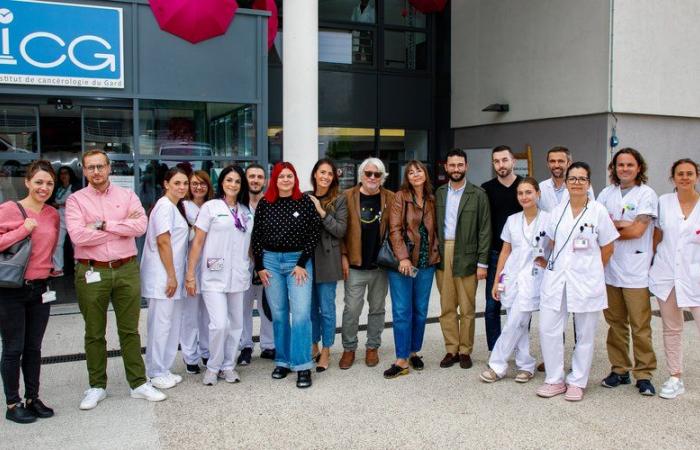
[323, 313]
[292, 341]
[492, 315]
[409, 307]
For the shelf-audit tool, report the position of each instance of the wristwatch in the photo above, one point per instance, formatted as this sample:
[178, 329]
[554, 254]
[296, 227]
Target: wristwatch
[100, 225]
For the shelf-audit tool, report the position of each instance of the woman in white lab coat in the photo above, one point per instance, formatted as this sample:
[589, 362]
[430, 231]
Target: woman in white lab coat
[194, 333]
[574, 282]
[519, 271]
[222, 239]
[674, 277]
[162, 272]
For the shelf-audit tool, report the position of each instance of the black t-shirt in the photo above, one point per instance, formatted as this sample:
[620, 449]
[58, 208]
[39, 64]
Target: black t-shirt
[503, 202]
[370, 221]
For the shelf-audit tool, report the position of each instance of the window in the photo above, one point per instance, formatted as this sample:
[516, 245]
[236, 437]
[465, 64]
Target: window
[18, 129]
[12, 174]
[400, 12]
[405, 50]
[346, 143]
[346, 47]
[362, 11]
[111, 130]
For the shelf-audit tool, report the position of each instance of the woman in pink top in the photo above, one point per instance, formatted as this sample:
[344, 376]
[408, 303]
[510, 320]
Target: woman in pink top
[23, 313]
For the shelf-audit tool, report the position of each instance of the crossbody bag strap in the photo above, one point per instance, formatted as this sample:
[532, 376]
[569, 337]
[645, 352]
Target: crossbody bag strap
[21, 209]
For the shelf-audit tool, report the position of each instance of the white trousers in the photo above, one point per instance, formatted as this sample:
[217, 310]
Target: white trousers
[194, 334]
[515, 337]
[552, 325]
[164, 317]
[225, 327]
[267, 340]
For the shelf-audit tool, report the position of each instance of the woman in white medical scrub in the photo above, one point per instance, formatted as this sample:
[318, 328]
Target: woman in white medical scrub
[519, 274]
[194, 334]
[674, 277]
[162, 272]
[574, 282]
[222, 239]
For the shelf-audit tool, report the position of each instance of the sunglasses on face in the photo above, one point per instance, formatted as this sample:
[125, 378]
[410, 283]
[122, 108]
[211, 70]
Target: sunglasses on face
[371, 174]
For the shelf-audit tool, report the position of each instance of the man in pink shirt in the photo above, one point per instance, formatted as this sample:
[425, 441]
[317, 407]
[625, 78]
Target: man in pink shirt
[103, 222]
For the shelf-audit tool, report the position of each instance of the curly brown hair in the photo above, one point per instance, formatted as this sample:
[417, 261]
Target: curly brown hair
[641, 176]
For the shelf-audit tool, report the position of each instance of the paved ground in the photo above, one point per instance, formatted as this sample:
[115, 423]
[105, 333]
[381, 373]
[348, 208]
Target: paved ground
[357, 408]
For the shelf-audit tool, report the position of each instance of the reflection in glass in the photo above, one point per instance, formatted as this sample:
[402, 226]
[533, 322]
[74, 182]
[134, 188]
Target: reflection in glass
[109, 129]
[18, 129]
[197, 129]
[345, 143]
[362, 11]
[405, 50]
[403, 145]
[400, 12]
[12, 174]
[346, 46]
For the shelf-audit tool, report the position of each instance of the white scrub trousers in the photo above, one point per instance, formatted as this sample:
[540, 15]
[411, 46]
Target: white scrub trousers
[267, 340]
[515, 336]
[225, 328]
[194, 335]
[552, 325]
[164, 318]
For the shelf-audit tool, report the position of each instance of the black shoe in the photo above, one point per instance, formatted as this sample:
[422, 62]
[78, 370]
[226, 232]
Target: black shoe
[245, 356]
[303, 379]
[192, 369]
[37, 407]
[395, 371]
[280, 372]
[20, 414]
[416, 362]
[614, 380]
[465, 361]
[646, 388]
[205, 361]
[268, 353]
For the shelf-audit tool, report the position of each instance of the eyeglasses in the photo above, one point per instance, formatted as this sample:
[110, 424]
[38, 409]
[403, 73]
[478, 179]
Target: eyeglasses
[371, 174]
[577, 180]
[96, 168]
[196, 185]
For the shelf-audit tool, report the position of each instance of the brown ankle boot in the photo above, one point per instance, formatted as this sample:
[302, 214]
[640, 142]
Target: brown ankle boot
[371, 357]
[346, 360]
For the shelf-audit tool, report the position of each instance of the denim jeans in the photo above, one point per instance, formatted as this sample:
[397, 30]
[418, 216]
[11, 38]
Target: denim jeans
[492, 314]
[292, 340]
[323, 313]
[409, 306]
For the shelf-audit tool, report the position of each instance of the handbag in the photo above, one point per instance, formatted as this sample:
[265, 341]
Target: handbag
[14, 260]
[386, 258]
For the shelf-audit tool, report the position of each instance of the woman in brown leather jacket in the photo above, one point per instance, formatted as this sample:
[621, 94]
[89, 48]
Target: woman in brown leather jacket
[413, 235]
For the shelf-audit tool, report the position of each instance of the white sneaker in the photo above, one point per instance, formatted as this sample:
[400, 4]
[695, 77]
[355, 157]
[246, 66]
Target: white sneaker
[93, 396]
[210, 378]
[175, 377]
[672, 388]
[230, 375]
[164, 382]
[148, 392]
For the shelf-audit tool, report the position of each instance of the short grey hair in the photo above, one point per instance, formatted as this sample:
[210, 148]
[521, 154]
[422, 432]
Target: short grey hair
[376, 162]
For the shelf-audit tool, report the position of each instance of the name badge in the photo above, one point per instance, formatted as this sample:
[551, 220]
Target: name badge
[48, 296]
[92, 277]
[580, 244]
[215, 264]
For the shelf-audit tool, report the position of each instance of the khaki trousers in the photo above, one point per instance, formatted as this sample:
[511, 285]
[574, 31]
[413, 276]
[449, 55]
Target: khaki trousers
[458, 332]
[630, 309]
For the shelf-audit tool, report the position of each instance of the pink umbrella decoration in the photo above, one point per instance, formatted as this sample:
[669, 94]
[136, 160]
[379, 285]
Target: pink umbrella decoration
[194, 20]
[272, 22]
[428, 6]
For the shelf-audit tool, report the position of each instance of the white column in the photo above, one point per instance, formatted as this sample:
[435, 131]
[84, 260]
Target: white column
[300, 87]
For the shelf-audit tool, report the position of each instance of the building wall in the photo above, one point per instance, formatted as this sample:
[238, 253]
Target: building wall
[661, 140]
[585, 136]
[544, 58]
[655, 57]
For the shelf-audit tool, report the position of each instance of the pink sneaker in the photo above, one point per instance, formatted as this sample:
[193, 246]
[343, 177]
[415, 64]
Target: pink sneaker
[550, 390]
[573, 393]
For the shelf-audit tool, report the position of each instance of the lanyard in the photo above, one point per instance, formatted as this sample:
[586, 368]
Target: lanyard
[550, 263]
[234, 215]
[530, 239]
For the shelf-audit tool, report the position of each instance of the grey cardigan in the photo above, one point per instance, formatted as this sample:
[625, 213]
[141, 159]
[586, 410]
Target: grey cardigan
[327, 263]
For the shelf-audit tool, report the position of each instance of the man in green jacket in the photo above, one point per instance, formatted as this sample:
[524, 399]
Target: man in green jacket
[464, 232]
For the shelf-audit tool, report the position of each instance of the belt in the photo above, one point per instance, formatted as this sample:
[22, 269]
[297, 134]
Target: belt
[41, 282]
[114, 264]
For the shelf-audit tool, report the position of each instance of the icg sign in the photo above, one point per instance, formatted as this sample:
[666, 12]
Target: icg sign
[61, 44]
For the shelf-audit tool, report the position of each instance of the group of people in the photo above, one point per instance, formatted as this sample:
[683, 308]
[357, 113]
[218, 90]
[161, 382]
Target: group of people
[210, 253]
